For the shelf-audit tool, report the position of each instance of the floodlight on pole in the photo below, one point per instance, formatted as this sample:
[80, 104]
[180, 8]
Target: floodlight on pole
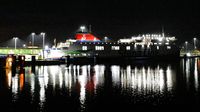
[15, 39]
[186, 45]
[105, 39]
[43, 39]
[33, 36]
[82, 28]
[195, 43]
[43, 42]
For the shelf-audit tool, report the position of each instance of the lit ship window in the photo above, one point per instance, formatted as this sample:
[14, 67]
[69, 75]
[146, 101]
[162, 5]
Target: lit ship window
[84, 48]
[142, 46]
[168, 47]
[99, 48]
[115, 48]
[128, 48]
[135, 46]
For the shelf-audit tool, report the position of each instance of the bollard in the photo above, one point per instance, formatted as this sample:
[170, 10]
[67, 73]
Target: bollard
[68, 59]
[13, 65]
[21, 60]
[33, 59]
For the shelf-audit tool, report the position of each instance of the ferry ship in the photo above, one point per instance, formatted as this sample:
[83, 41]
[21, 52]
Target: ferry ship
[86, 44]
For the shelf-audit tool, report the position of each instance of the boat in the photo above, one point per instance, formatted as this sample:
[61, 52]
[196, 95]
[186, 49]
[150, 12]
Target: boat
[86, 44]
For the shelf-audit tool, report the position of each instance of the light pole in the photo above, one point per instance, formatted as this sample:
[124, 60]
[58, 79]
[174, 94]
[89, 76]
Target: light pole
[186, 46]
[195, 43]
[15, 39]
[33, 36]
[43, 42]
[43, 39]
[105, 39]
[82, 28]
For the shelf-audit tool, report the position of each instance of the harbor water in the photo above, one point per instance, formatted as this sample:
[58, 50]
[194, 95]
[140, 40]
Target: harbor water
[143, 85]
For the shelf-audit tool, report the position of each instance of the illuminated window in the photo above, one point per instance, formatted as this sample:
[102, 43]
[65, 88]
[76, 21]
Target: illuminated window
[168, 47]
[84, 48]
[142, 46]
[128, 48]
[99, 48]
[157, 47]
[135, 46]
[115, 48]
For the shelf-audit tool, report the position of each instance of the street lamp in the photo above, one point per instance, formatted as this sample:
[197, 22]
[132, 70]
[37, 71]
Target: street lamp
[82, 28]
[43, 39]
[43, 42]
[186, 45]
[195, 43]
[24, 45]
[15, 39]
[33, 36]
[105, 39]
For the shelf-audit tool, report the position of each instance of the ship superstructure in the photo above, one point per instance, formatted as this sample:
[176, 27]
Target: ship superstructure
[147, 45]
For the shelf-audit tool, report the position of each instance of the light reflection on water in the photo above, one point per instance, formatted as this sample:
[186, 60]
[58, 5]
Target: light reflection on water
[196, 81]
[190, 68]
[85, 80]
[143, 80]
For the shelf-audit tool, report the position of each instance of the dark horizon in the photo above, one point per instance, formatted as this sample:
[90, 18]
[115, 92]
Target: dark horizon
[115, 18]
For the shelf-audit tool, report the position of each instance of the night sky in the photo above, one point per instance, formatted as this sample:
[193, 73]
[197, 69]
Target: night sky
[111, 18]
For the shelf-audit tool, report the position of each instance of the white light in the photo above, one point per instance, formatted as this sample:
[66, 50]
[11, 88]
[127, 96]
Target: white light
[46, 47]
[188, 54]
[157, 47]
[115, 74]
[128, 47]
[169, 78]
[55, 54]
[186, 42]
[42, 33]
[83, 80]
[99, 48]
[84, 48]
[82, 28]
[168, 47]
[33, 33]
[160, 39]
[15, 85]
[15, 37]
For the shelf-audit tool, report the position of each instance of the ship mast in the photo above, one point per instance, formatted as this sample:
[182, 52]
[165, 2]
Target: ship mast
[163, 33]
[90, 28]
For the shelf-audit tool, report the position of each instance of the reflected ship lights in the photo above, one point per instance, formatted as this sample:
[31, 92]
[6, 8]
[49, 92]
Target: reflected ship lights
[191, 69]
[83, 81]
[143, 79]
[16, 82]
